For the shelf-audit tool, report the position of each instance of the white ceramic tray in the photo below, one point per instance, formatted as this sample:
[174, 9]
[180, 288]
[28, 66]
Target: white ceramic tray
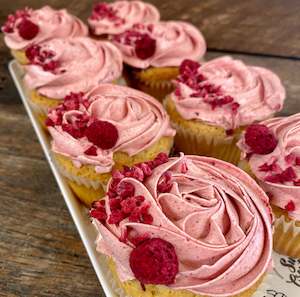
[283, 281]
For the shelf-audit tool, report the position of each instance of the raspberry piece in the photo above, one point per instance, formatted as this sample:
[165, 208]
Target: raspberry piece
[115, 203]
[116, 217]
[129, 204]
[69, 128]
[145, 47]
[134, 172]
[91, 151]
[98, 211]
[161, 158]
[287, 175]
[103, 134]
[269, 167]
[137, 240]
[164, 183]
[297, 161]
[297, 183]
[125, 189]
[260, 139]
[188, 66]
[27, 29]
[290, 206]
[154, 261]
[147, 171]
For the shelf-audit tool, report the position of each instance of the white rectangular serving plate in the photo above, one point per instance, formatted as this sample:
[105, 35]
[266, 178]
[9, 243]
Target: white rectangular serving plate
[283, 281]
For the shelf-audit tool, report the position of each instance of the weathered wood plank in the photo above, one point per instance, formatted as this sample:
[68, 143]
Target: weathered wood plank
[264, 27]
[41, 252]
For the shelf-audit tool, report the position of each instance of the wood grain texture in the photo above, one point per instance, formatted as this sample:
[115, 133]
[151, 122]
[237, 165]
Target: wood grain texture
[40, 251]
[261, 27]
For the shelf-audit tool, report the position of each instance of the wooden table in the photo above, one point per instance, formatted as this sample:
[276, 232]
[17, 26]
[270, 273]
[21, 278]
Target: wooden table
[40, 251]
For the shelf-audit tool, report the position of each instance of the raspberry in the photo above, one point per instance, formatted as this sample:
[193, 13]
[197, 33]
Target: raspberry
[91, 151]
[290, 206]
[154, 261]
[188, 66]
[287, 175]
[27, 29]
[145, 47]
[103, 134]
[260, 139]
[98, 211]
[164, 183]
[269, 167]
[125, 189]
[69, 128]
[116, 217]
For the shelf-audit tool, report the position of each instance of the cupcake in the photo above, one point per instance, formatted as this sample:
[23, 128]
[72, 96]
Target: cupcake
[61, 66]
[114, 18]
[108, 128]
[213, 102]
[192, 226]
[27, 27]
[271, 152]
[153, 52]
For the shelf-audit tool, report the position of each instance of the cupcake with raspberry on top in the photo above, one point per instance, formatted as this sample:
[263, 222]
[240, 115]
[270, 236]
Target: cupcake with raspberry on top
[108, 128]
[191, 226]
[60, 66]
[153, 52]
[108, 19]
[28, 26]
[213, 102]
[271, 153]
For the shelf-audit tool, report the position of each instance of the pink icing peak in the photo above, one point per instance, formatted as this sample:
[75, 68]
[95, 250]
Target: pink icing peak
[278, 171]
[79, 64]
[119, 16]
[160, 44]
[215, 216]
[12, 19]
[105, 11]
[108, 119]
[247, 94]
[28, 26]
[190, 75]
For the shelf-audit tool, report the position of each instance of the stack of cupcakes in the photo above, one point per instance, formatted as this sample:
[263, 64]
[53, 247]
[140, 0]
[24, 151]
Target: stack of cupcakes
[191, 225]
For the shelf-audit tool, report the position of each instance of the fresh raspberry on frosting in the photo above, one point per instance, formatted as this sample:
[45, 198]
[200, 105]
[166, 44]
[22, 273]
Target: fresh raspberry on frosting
[145, 47]
[103, 134]
[27, 29]
[260, 139]
[154, 261]
[290, 206]
[34, 26]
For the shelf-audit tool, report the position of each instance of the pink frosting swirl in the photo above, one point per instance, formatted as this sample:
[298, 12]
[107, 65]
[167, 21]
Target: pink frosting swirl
[83, 63]
[257, 93]
[279, 171]
[139, 119]
[174, 41]
[51, 23]
[216, 216]
[117, 17]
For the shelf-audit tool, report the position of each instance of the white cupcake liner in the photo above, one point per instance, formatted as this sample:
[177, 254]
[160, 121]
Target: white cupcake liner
[193, 143]
[267, 284]
[285, 239]
[81, 181]
[38, 109]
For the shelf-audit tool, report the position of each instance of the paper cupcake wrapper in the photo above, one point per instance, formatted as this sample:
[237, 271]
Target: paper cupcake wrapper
[38, 109]
[264, 287]
[286, 237]
[81, 181]
[206, 144]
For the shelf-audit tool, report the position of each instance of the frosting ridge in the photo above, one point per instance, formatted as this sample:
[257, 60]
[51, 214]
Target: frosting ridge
[215, 216]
